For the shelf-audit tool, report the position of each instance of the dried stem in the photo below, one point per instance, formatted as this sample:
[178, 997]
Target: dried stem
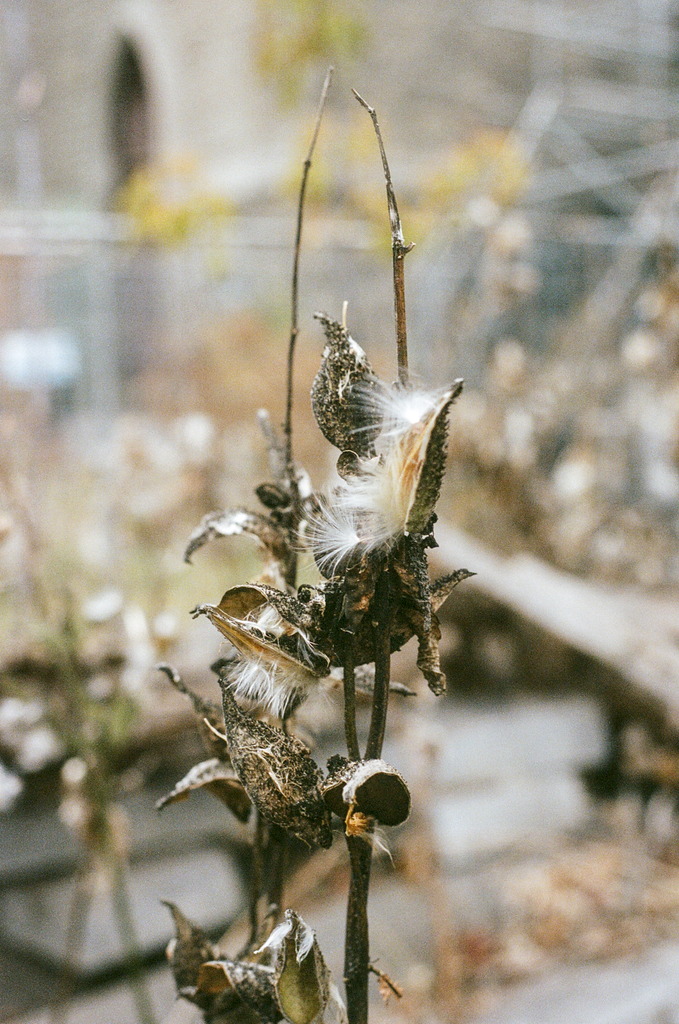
[356, 944]
[350, 703]
[256, 877]
[399, 250]
[294, 326]
[382, 618]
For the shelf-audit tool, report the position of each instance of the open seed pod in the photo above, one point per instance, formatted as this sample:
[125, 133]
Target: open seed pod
[302, 981]
[252, 983]
[218, 779]
[344, 365]
[372, 788]
[188, 950]
[421, 456]
[278, 773]
[278, 665]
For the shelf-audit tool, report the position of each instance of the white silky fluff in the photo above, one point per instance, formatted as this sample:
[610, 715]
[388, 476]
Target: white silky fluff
[271, 685]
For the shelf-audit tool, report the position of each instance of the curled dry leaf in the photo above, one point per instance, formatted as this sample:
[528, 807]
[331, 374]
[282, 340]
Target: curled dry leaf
[232, 522]
[252, 983]
[188, 950]
[278, 773]
[373, 788]
[218, 779]
[344, 365]
[443, 587]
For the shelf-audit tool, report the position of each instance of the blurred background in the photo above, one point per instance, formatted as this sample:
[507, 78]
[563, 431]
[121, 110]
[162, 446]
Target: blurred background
[150, 158]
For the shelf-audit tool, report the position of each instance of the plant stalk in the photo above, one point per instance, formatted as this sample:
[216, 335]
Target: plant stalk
[350, 703]
[356, 943]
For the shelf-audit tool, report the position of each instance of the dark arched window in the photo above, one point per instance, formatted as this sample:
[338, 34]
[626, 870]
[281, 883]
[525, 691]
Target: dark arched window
[130, 116]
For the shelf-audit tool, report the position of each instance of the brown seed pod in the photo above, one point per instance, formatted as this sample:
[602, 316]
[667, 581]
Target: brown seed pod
[188, 950]
[252, 983]
[275, 669]
[278, 773]
[422, 454]
[218, 779]
[372, 788]
[344, 365]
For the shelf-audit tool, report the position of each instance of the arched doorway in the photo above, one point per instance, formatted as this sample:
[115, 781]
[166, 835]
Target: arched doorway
[130, 114]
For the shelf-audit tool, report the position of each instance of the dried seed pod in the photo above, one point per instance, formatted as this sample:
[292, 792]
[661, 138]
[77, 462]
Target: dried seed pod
[344, 365]
[252, 983]
[218, 779]
[425, 460]
[278, 773]
[232, 522]
[275, 669]
[372, 788]
[188, 950]
[302, 981]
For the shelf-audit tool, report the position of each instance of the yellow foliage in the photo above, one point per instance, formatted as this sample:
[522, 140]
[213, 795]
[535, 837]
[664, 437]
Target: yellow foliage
[168, 203]
[294, 36]
[491, 164]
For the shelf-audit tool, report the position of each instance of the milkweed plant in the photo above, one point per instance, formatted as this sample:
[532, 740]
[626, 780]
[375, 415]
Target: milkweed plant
[369, 536]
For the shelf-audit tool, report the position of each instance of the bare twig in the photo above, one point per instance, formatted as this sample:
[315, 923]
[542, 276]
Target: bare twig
[399, 250]
[387, 986]
[294, 325]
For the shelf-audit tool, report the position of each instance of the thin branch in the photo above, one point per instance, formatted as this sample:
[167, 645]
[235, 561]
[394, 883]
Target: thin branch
[399, 250]
[294, 326]
[387, 986]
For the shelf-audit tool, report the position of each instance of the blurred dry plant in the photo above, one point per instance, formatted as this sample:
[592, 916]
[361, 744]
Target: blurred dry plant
[368, 535]
[577, 457]
[479, 180]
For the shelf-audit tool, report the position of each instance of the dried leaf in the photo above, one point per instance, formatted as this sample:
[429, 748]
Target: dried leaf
[343, 366]
[252, 983]
[232, 522]
[301, 977]
[188, 950]
[220, 780]
[278, 773]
